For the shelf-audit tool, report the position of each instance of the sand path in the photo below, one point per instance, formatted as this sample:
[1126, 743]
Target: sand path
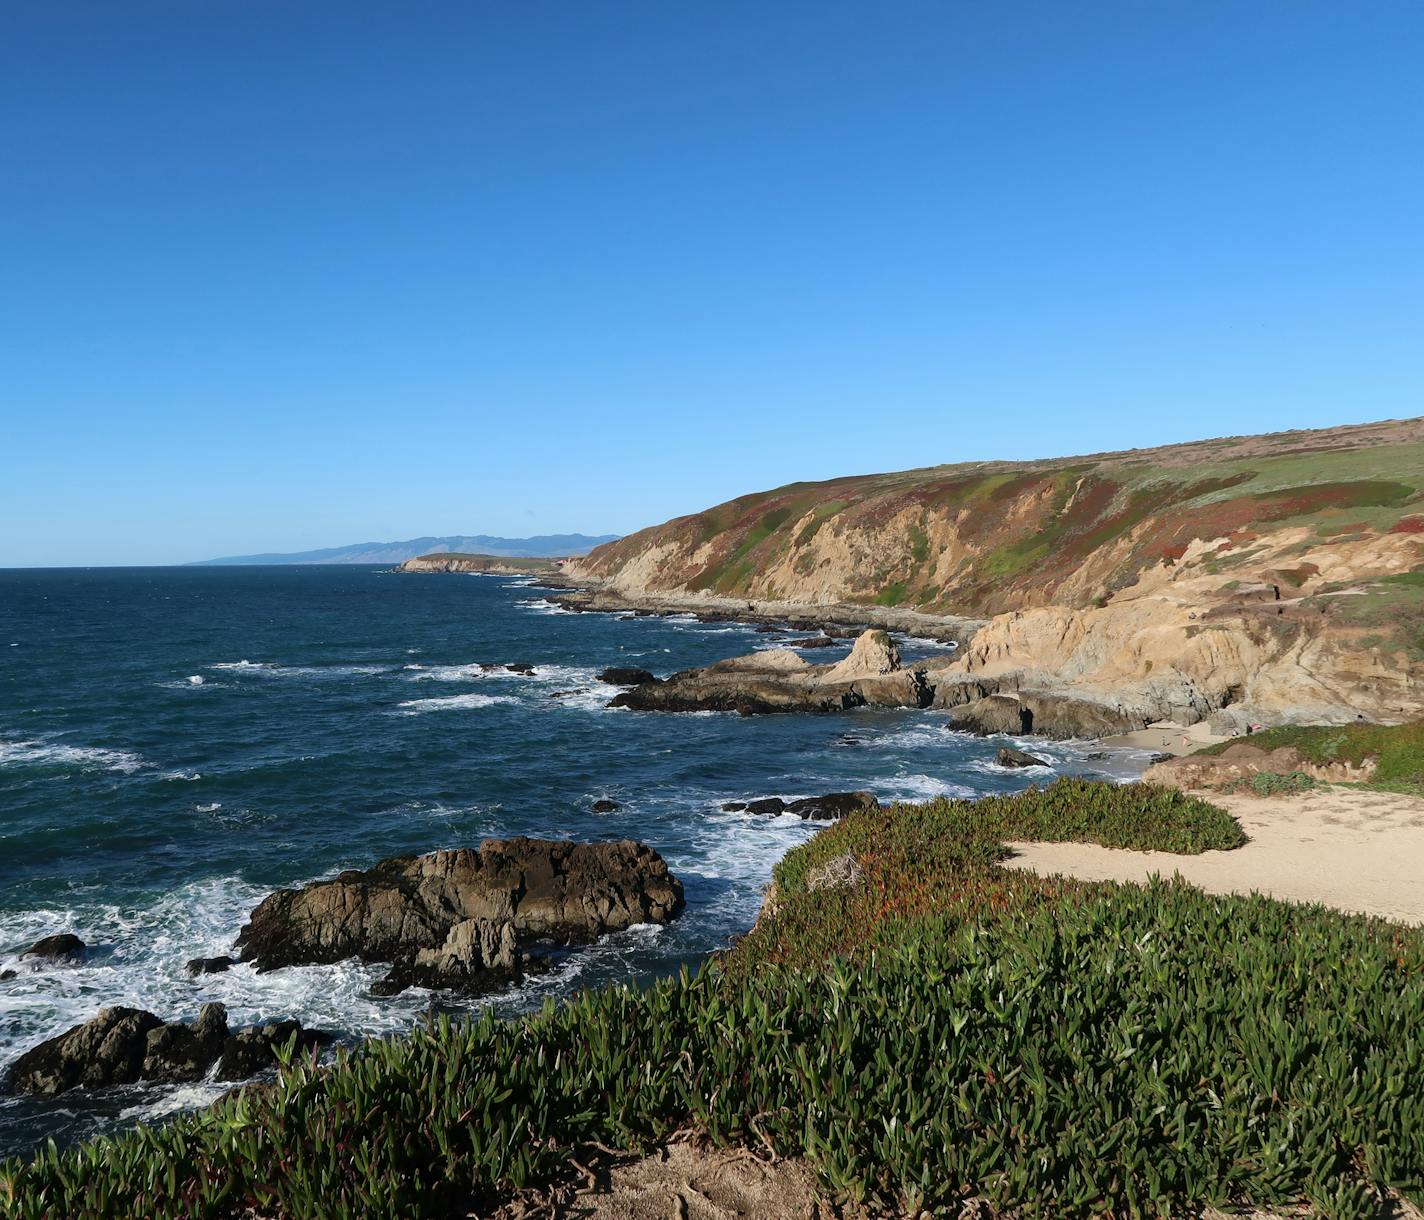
[1348, 848]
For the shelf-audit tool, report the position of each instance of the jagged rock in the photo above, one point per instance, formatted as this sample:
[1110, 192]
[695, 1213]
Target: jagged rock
[126, 1045]
[1010, 757]
[520, 667]
[618, 675]
[873, 655]
[604, 805]
[541, 889]
[254, 1050]
[108, 1050]
[815, 641]
[992, 714]
[176, 1053]
[834, 805]
[63, 947]
[781, 680]
[209, 965]
[476, 954]
[828, 808]
[1045, 713]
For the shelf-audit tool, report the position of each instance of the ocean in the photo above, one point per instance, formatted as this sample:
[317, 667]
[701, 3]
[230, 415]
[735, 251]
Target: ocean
[175, 743]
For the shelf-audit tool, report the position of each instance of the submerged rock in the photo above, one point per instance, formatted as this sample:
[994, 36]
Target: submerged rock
[507, 894]
[210, 965]
[126, 1045]
[1010, 757]
[604, 805]
[63, 947]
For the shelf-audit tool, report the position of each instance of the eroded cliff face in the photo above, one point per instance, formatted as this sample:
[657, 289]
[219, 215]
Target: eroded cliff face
[1280, 576]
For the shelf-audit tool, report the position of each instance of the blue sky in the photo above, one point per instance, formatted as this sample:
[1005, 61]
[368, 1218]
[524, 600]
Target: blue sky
[279, 276]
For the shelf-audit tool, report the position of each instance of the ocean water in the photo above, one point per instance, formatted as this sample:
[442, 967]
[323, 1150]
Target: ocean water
[176, 743]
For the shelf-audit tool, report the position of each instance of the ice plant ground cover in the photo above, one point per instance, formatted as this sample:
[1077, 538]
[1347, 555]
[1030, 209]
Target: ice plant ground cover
[926, 1028]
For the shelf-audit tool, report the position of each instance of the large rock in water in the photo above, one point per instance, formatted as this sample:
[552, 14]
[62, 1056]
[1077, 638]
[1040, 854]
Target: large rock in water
[781, 680]
[619, 675]
[1008, 756]
[126, 1045]
[62, 947]
[459, 918]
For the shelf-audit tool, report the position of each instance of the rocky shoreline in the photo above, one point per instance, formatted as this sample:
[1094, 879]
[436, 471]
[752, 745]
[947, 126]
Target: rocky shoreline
[464, 920]
[834, 620]
[1046, 672]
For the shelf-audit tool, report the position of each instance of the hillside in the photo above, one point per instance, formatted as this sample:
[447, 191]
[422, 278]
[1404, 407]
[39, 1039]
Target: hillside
[550, 546]
[1282, 571]
[445, 561]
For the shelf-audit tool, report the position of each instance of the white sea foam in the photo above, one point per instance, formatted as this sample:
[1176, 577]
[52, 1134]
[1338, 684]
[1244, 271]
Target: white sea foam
[55, 754]
[449, 703]
[921, 788]
[195, 679]
[138, 959]
[542, 605]
[455, 673]
[271, 669]
[914, 737]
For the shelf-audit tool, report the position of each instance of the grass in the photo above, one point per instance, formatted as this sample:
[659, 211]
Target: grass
[1028, 532]
[1396, 750]
[1050, 1048]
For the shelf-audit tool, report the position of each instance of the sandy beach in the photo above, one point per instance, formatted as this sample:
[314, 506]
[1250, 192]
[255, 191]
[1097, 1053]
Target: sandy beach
[1166, 737]
[1348, 848]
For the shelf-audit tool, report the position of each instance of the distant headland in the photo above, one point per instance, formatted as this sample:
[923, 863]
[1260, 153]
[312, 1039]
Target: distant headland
[542, 546]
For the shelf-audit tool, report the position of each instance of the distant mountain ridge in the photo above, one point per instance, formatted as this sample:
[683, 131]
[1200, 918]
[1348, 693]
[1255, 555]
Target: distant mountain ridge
[542, 546]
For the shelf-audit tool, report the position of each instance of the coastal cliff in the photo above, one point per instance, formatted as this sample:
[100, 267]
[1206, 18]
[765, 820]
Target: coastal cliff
[1279, 577]
[497, 564]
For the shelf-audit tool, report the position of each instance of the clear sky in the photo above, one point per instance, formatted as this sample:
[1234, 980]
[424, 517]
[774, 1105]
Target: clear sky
[282, 275]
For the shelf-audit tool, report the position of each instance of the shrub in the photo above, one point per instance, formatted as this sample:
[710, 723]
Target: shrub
[1273, 783]
[1397, 750]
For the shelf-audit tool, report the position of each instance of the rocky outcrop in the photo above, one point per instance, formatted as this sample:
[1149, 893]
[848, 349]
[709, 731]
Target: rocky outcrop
[210, 965]
[1047, 713]
[127, 1045]
[62, 947]
[462, 918]
[1238, 763]
[828, 808]
[617, 675]
[780, 680]
[1010, 757]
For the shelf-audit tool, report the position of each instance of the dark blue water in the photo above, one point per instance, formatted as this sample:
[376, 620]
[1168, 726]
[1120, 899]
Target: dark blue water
[175, 743]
